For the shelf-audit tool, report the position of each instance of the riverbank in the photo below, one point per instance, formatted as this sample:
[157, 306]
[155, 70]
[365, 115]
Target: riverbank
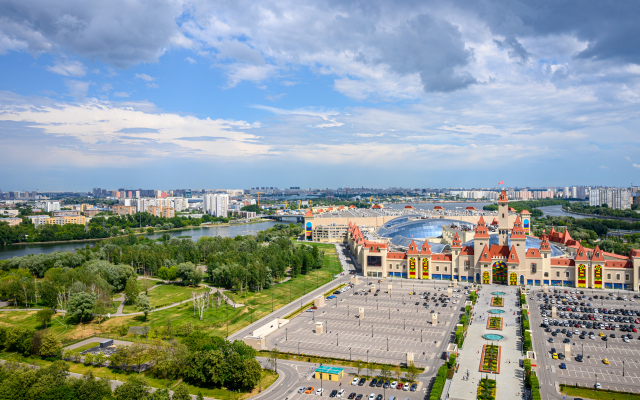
[603, 216]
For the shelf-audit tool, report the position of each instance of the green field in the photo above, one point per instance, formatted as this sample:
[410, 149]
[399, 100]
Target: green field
[86, 346]
[165, 295]
[598, 394]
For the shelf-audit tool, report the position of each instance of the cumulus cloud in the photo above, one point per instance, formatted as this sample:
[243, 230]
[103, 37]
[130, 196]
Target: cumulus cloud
[636, 165]
[190, 60]
[145, 77]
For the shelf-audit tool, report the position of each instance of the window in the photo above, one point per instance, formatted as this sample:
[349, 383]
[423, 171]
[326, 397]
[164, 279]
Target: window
[566, 274]
[534, 268]
[557, 274]
[502, 215]
[437, 268]
[626, 277]
[455, 270]
[445, 269]
[608, 276]
[546, 274]
[617, 277]
[545, 255]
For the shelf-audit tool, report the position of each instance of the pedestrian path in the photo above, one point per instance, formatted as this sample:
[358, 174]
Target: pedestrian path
[510, 380]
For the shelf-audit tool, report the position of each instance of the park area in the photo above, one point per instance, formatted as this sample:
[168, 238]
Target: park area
[497, 302]
[490, 360]
[166, 295]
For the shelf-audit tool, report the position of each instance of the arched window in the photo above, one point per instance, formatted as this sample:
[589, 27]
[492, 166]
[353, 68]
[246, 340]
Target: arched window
[437, 268]
[534, 268]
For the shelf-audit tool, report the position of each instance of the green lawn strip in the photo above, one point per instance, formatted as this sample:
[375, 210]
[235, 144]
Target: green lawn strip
[598, 394]
[328, 360]
[165, 296]
[267, 378]
[87, 346]
[27, 319]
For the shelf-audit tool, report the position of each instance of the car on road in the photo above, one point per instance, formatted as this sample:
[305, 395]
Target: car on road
[302, 389]
[352, 396]
[414, 387]
[399, 385]
[333, 393]
[355, 381]
[359, 397]
[373, 382]
[319, 391]
[394, 384]
[379, 397]
[406, 386]
[361, 382]
[309, 390]
[386, 384]
[550, 340]
[340, 393]
[597, 386]
[380, 383]
[605, 361]
[563, 366]
[372, 396]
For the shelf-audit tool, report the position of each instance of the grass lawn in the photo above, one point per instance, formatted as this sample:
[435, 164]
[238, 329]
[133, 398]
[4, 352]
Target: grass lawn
[327, 360]
[87, 346]
[165, 295]
[598, 394]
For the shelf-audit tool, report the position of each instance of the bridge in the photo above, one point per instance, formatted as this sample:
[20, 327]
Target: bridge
[285, 217]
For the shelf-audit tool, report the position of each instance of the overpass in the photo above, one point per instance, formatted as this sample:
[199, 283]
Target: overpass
[285, 217]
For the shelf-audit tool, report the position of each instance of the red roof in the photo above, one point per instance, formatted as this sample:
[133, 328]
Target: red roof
[497, 251]
[352, 206]
[408, 207]
[518, 231]
[597, 254]
[456, 241]
[513, 256]
[438, 208]
[524, 212]
[375, 246]
[426, 249]
[613, 255]
[481, 229]
[341, 208]
[634, 252]
[581, 254]
[533, 253]
[467, 251]
[503, 197]
[413, 248]
[396, 255]
[441, 257]
[377, 206]
[495, 222]
[563, 261]
[484, 254]
[471, 208]
[308, 214]
[618, 264]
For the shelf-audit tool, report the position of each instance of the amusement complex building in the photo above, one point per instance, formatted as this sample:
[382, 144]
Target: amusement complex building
[500, 252]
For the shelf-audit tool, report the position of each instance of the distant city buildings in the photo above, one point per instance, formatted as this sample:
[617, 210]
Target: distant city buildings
[216, 205]
[619, 199]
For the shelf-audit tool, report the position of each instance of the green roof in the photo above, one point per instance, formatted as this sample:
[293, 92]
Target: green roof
[329, 370]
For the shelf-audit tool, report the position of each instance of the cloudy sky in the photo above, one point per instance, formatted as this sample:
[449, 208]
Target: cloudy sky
[323, 93]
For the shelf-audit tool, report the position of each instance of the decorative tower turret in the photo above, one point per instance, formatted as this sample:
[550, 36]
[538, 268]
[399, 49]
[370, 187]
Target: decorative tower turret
[503, 219]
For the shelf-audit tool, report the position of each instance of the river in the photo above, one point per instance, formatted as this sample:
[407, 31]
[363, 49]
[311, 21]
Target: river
[557, 211]
[20, 250]
[447, 206]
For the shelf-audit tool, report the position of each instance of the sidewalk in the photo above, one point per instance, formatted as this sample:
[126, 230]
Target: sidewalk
[510, 380]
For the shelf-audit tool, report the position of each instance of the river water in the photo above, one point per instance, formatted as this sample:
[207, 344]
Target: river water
[7, 252]
[447, 206]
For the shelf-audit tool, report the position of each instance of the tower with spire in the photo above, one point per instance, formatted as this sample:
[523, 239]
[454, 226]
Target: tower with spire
[503, 219]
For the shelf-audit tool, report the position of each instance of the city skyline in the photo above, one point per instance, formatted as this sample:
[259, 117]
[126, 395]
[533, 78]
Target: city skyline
[463, 94]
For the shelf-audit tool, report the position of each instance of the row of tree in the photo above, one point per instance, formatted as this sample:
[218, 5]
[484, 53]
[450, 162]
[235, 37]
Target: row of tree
[603, 210]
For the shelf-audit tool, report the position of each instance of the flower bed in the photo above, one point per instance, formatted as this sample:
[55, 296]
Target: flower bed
[487, 389]
[497, 302]
[490, 360]
[495, 323]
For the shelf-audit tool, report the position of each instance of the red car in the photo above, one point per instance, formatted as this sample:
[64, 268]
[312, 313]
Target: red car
[399, 385]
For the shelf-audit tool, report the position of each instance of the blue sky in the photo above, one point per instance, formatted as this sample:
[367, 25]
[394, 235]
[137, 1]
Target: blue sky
[199, 94]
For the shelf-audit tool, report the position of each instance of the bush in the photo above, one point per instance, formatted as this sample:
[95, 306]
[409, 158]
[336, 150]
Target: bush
[526, 345]
[459, 336]
[473, 296]
[535, 388]
[523, 299]
[438, 384]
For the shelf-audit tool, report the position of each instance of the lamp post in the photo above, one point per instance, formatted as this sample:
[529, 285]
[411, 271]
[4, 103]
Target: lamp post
[286, 335]
[420, 335]
[623, 367]
[368, 371]
[349, 354]
[387, 344]
[371, 330]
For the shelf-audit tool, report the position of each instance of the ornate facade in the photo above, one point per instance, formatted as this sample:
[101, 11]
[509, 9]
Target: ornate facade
[509, 262]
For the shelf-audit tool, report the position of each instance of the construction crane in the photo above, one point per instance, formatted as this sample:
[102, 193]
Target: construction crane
[299, 204]
[245, 200]
[371, 200]
[259, 193]
[286, 205]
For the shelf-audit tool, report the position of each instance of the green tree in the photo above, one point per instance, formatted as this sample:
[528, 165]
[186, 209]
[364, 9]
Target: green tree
[385, 371]
[44, 316]
[51, 346]
[82, 305]
[189, 274]
[131, 290]
[163, 273]
[181, 393]
[135, 388]
[142, 302]
[412, 372]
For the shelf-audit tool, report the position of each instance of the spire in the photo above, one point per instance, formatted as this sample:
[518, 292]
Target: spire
[581, 254]
[503, 197]
[413, 248]
[597, 254]
[456, 241]
[481, 229]
[513, 256]
[426, 249]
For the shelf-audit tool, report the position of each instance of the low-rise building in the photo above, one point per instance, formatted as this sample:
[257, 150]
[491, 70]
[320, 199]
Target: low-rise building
[12, 221]
[124, 210]
[63, 220]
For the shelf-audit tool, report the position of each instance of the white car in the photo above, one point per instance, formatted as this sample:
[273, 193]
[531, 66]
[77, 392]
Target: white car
[372, 396]
[319, 391]
[598, 386]
[406, 387]
[302, 389]
[355, 381]
[340, 393]
[394, 384]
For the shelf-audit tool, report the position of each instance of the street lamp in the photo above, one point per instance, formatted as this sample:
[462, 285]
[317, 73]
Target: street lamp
[349, 354]
[420, 335]
[371, 330]
[387, 344]
[286, 335]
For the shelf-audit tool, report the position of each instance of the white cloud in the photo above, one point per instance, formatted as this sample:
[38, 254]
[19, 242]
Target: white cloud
[368, 135]
[145, 77]
[77, 89]
[121, 94]
[190, 60]
[68, 68]
[106, 87]
[152, 85]
[636, 165]
[289, 83]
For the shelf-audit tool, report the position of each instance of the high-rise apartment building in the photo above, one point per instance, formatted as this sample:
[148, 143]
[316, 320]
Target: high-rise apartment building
[619, 199]
[216, 204]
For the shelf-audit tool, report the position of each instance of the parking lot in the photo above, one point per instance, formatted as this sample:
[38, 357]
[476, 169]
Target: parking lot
[357, 392]
[393, 324]
[609, 315]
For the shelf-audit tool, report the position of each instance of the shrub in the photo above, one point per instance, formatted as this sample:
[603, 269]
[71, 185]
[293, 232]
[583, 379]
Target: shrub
[459, 336]
[523, 299]
[473, 296]
[438, 384]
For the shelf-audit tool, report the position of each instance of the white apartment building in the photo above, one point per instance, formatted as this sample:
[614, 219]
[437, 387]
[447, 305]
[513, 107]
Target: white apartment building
[619, 199]
[216, 204]
[49, 206]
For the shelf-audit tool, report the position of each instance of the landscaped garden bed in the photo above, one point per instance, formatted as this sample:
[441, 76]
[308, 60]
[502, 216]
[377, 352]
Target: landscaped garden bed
[490, 360]
[495, 323]
[497, 302]
[487, 389]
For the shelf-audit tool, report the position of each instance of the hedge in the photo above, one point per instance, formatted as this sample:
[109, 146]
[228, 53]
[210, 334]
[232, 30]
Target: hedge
[459, 336]
[438, 384]
[523, 299]
[527, 373]
[526, 345]
[535, 388]
[473, 296]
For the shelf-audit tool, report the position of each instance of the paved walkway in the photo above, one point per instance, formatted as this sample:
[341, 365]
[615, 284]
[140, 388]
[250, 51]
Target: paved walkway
[510, 380]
